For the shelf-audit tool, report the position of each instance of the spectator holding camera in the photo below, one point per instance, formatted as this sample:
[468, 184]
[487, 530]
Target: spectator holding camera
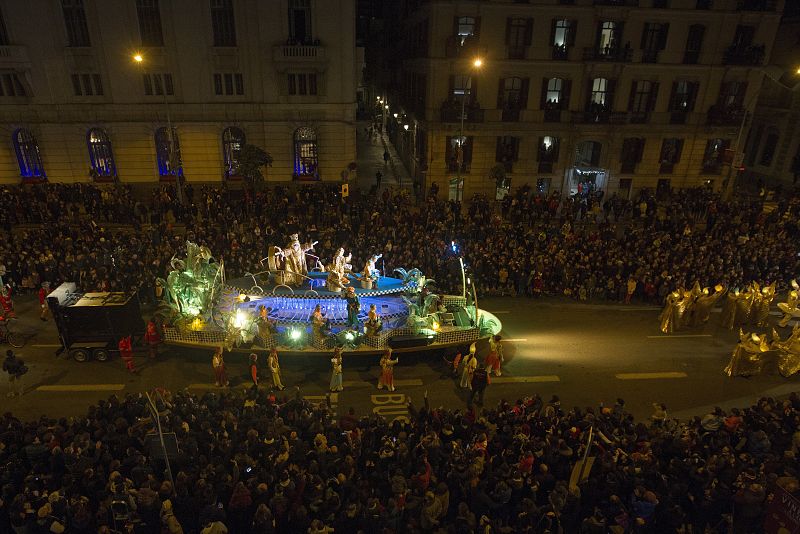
[15, 368]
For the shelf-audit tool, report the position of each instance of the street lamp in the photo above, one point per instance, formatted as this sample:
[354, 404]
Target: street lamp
[476, 64]
[138, 58]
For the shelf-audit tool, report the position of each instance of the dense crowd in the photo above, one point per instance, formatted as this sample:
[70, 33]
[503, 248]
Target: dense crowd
[530, 244]
[253, 463]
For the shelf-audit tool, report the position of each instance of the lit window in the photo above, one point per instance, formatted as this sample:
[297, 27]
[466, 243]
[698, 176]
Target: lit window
[101, 156]
[28, 154]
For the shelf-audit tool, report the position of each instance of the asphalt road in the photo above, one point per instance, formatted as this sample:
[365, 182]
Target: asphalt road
[585, 354]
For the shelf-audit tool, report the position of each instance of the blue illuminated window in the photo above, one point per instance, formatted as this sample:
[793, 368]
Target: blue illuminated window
[306, 163]
[28, 154]
[101, 156]
[169, 161]
[233, 140]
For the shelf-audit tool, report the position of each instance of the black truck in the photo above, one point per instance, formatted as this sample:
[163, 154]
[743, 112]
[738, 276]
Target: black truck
[90, 325]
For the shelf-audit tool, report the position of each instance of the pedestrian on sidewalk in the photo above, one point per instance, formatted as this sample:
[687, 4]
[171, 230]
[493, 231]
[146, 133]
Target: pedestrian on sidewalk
[43, 292]
[275, 368]
[218, 364]
[386, 157]
[126, 353]
[387, 370]
[254, 368]
[15, 368]
[336, 370]
[378, 178]
[480, 379]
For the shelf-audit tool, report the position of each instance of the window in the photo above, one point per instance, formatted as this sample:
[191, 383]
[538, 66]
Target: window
[562, 36]
[158, 84]
[168, 153]
[548, 153]
[228, 84]
[101, 157]
[507, 151]
[554, 88]
[463, 86]
[28, 155]
[223, 25]
[87, 84]
[306, 163]
[465, 29]
[768, 151]
[459, 154]
[513, 97]
[743, 36]
[300, 21]
[731, 95]
[625, 185]
[554, 98]
[694, 44]
[714, 155]
[683, 96]
[3, 33]
[75, 21]
[302, 84]
[233, 140]
[632, 150]
[608, 38]
[11, 85]
[600, 94]
[519, 33]
[670, 154]
[642, 100]
[149, 22]
[654, 39]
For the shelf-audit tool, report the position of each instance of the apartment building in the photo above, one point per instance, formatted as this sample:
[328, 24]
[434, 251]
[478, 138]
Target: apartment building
[211, 76]
[575, 95]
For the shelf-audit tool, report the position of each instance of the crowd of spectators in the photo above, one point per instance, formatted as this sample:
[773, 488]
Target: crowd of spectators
[253, 463]
[527, 245]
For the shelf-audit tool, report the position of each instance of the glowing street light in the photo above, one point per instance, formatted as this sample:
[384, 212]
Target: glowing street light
[138, 58]
[477, 62]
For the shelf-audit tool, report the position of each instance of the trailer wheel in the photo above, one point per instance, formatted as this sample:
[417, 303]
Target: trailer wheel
[101, 355]
[79, 355]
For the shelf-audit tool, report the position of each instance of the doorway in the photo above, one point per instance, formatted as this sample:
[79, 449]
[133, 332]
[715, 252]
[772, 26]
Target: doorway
[586, 177]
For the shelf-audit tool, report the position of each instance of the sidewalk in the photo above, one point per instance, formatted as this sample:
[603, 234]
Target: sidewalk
[369, 157]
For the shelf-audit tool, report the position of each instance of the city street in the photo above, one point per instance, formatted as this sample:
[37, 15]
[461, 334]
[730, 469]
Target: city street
[585, 354]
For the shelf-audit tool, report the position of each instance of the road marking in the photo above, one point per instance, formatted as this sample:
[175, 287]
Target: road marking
[392, 406]
[46, 345]
[524, 379]
[639, 308]
[516, 339]
[82, 387]
[397, 383]
[650, 376]
[679, 335]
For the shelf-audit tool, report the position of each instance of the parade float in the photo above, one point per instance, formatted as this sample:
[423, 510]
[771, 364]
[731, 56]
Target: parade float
[295, 302]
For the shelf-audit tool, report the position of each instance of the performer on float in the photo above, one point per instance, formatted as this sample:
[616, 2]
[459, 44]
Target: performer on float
[275, 369]
[495, 356]
[374, 323]
[387, 370]
[294, 257]
[320, 326]
[353, 307]
[370, 272]
[789, 308]
[266, 327]
[336, 370]
[341, 263]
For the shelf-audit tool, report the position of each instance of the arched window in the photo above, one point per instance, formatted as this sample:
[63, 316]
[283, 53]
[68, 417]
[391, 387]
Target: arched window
[233, 140]
[169, 161]
[305, 154]
[100, 155]
[28, 155]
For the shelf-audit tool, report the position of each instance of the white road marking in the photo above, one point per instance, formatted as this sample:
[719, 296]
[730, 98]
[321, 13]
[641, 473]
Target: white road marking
[516, 339]
[668, 336]
[524, 379]
[397, 383]
[650, 376]
[82, 387]
[46, 345]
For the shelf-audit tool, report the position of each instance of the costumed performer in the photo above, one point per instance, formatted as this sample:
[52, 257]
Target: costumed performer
[789, 308]
[728, 315]
[387, 370]
[275, 369]
[761, 310]
[788, 352]
[320, 326]
[218, 364]
[294, 256]
[353, 307]
[667, 320]
[126, 353]
[495, 356]
[747, 358]
[374, 323]
[704, 303]
[336, 370]
[469, 366]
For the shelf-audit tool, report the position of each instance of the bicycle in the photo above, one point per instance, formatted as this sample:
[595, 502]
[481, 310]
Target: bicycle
[7, 336]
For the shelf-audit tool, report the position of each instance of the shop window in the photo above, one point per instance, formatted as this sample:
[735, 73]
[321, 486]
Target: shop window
[28, 154]
[306, 162]
[168, 153]
[233, 139]
[101, 156]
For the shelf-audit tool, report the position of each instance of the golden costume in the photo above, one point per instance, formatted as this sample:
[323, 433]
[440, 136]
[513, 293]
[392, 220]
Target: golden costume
[728, 315]
[704, 304]
[789, 308]
[667, 319]
[760, 310]
[748, 357]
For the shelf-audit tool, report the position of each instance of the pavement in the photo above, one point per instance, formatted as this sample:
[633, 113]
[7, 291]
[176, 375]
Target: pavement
[370, 160]
[585, 354]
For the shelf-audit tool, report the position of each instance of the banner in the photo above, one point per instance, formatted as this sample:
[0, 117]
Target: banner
[783, 513]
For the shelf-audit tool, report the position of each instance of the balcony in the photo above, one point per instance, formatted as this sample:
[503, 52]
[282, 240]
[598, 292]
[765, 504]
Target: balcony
[725, 116]
[650, 56]
[712, 167]
[451, 112]
[666, 167]
[454, 47]
[756, 5]
[639, 117]
[744, 55]
[623, 3]
[510, 114]
[546, 167]
[298, 54]
[691, 57]
[560, 52]
[599, 117]
[13, 55]
[552, 115]
[453, 167]
[517, 52]
[628, 167]
[678, 117]
[704, 4]
[617, 55]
